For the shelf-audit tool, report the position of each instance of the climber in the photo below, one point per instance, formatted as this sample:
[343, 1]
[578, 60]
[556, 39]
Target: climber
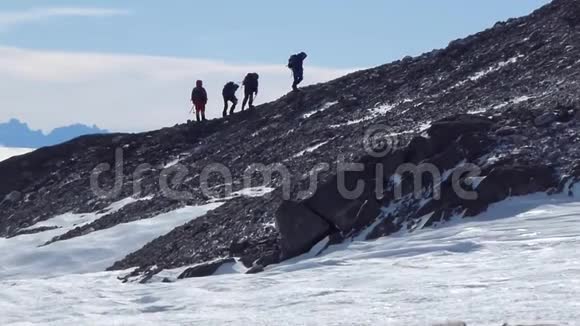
[250, 89]
[295, 63]
[229, 94]
[199, 100]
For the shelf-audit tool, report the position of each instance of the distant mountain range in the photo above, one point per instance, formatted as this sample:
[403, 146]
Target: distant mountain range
[15, 133]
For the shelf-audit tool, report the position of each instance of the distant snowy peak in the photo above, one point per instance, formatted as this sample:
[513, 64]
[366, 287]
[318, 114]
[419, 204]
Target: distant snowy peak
[15, 133]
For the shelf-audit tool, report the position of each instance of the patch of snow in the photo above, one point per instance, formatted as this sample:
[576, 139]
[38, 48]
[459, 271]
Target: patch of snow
[480, 74]
[8, 152]
[474, 181]
[22, 256]
[352, 122]
[424, 126]
[172, 163]
[521, 99]
[490, 159]
[395, 179]
[117, 206]
[500, 106]
[478, 111]
[311, 149]
[253, 192]
[382, 109]
[231, 268]
[404, 111]
[324, 107]
[495, 68]
[423, 220]
[516, 100]
[69, 221]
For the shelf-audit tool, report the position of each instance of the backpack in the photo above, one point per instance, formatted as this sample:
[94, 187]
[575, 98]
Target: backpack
[251, 80]
[230, 89]
[199, 94]
[292, 61]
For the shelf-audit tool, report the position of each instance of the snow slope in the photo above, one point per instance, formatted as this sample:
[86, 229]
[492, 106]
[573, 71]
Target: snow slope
[516, 263]
[26, 256]
[8, 152]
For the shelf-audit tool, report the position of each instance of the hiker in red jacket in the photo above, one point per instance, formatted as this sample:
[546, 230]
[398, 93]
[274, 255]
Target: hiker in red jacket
[199, 100]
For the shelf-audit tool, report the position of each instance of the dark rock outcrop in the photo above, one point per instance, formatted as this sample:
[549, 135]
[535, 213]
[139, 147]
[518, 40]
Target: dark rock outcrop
[206, 269]
[299, 227]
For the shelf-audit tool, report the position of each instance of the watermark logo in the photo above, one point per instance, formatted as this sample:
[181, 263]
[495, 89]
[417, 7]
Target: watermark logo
[352, 178]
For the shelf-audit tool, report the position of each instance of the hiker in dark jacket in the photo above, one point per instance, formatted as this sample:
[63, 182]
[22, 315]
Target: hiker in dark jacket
[229, 94]
[199, 100]
[296, 64]
[250, 89]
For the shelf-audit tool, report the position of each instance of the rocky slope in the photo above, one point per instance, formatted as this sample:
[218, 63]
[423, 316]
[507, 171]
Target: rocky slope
[504, 100]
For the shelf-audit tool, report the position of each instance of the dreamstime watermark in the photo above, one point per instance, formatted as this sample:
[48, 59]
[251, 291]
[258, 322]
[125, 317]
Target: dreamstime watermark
[352, 178]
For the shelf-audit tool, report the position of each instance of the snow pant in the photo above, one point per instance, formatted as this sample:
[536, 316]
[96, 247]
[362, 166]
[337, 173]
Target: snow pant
[227, 99]
[298, 77]
[199, 111]
[248, 96]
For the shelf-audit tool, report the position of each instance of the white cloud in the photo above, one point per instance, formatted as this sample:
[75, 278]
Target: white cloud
[48, 89]
[11, 18]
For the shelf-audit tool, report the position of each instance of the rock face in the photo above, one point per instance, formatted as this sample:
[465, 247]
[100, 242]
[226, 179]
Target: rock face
[204, 270]
[406, 145]
[299, 227]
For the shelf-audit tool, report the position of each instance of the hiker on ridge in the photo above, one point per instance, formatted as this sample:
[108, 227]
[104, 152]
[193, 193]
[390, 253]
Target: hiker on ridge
[229, 94]
[250, 89]
[199, 100]
[296, 64]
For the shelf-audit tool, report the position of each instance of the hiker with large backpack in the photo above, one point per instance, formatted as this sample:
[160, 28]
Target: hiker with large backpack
[229, 94]
[199, 100]
[296, 64]
[250, 89]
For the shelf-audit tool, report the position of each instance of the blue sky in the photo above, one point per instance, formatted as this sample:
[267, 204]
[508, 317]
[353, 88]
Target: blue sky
[339, 35]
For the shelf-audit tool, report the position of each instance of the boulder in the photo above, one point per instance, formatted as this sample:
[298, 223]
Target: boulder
[445, 131]
[205, 269]
[545, 119]
[300, 228]
[419, 148]
[512, 180]
[331, 204]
